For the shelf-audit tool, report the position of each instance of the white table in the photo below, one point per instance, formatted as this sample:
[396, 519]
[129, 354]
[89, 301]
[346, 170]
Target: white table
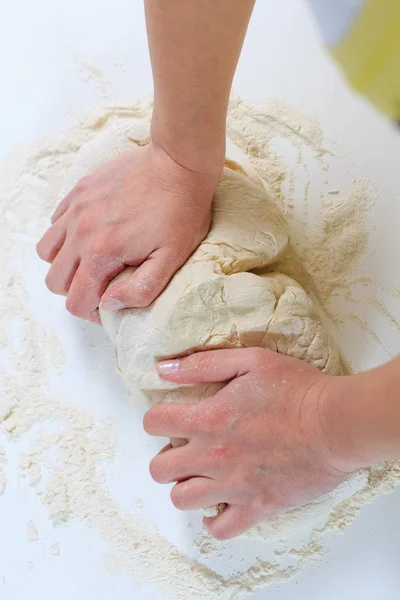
[46, 52]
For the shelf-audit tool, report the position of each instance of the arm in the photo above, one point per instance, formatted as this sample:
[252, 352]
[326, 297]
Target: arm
[151, 207]
[362, 416]
[194, 49]
[278, 435]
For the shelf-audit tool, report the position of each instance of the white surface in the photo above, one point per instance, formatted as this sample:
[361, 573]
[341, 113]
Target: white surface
[42, 45]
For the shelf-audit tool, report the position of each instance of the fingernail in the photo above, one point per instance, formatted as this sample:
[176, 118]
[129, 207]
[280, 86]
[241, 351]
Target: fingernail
[111, 305]
[168, 366]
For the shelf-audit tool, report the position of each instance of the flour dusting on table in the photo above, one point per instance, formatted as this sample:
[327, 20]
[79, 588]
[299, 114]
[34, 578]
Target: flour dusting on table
[68, 450]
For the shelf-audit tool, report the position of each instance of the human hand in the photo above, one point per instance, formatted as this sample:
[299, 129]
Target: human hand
[259, 445]
[142, 209]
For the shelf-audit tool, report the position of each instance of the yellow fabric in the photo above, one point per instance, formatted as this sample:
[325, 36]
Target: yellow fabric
[370, 54]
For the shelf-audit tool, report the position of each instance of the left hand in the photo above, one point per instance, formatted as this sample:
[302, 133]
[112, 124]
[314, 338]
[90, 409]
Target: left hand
[144, 210]
[259, 445]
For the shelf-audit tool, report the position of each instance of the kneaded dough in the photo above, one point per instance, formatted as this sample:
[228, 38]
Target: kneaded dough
[214, 300]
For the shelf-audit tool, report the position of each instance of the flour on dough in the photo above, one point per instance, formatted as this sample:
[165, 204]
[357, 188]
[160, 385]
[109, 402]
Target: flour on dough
[215, 300]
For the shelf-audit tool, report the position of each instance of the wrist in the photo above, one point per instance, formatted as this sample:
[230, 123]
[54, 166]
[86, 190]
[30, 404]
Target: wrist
[342, 437]
[193, 144]
[361, 417]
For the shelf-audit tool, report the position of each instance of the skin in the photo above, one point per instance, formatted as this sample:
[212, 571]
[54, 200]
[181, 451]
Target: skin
[151, 207]
[279, 433]
[107, 223]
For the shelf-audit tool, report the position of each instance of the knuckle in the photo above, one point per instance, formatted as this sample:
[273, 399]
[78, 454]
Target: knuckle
[83, 226]
[147, 285]
[242, 479]
[144, 295]
[205, 418]
[264, 506]
[218, 532]
[44, 248]
[52, 284]
[177, 258]
[104, 244]
[178, 499]
[257, 356]
[212, 417]
[221, 451]
[62, 207]
[74, 305]
[222, 416]
[40, 250]
[97, 246]
[76, 207]
[83, 184]
[202, 361]
[147, 421]
[151, 418]
[156, 471]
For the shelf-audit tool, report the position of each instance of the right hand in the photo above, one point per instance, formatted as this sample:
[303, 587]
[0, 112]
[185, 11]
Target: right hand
[143, 209]
[260, 445]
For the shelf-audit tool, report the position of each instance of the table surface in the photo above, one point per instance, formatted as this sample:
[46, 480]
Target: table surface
[48, 51]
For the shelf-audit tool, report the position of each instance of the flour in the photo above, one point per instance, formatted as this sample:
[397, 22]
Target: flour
[3, 481]
[93, 76]
[31, 532]
[55, 549]
[255, 129]
[3, 477]
[67, 449]
[340, 241]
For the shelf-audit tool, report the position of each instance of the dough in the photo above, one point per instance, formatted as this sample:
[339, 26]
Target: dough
[215, 301]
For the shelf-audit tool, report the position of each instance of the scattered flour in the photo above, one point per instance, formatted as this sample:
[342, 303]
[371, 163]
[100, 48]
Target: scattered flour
[31, 532]
[3, 481]
[3, 477]
[338, 243]
[92, 75]
[65, 463]
[55, 549]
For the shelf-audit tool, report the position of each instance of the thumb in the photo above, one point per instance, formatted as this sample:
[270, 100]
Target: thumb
[138, 288]
[214, 366]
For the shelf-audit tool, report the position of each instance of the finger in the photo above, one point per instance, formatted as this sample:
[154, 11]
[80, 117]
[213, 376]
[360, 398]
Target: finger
[88, 285]
[84, 184]
[233, 521]
[52, 241]
[197, 493]
[145, 284]
[176, 464]
[61, 208]
[111, 304]
[94, 317]
[170, 420]
[62, 272]
[214, 366]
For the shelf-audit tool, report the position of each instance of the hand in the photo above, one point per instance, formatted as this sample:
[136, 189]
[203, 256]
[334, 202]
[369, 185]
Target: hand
[259, 445]
[143, 209]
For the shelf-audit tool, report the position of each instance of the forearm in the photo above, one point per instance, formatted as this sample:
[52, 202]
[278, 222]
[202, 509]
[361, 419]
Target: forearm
[363, 412]
[194, 49]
